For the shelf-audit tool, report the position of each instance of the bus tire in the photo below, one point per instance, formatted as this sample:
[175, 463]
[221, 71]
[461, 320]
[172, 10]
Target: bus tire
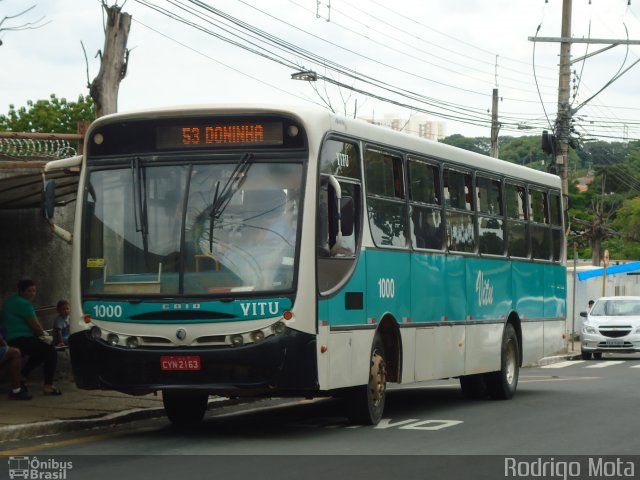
[474, 387]
[185, 409]
[501, 385]
[366, 402]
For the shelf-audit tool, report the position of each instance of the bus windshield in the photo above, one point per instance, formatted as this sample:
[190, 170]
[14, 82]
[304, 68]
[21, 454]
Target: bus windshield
[191, 229]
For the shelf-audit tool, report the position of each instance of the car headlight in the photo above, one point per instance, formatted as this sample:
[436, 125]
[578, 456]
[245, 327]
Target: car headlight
[589, 329]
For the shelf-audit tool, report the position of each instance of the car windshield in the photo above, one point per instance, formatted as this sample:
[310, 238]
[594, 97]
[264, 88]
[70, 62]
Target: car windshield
[616, 307]
[191, 229]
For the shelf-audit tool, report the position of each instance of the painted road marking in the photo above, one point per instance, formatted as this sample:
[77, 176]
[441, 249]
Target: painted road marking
[605, 364]
[61, 443]
[568, 363]
[554, 379]
[599, 364]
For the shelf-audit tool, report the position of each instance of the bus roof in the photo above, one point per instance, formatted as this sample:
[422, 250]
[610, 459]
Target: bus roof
[315, 117]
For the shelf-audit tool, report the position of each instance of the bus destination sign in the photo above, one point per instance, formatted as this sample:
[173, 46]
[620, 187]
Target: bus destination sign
[219, 135]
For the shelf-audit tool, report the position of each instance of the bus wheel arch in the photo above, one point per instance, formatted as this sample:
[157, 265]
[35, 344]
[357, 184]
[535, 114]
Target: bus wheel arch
[390, 334]
[515, 321]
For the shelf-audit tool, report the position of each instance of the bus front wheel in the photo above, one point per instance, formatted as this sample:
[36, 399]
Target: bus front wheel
[474, 387]
[502, 384]
[184, 409]
[366, 402]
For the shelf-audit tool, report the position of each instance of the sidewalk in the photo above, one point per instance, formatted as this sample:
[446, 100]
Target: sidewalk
[79, 409]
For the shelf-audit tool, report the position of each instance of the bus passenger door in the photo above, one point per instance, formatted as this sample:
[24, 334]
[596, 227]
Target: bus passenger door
[341, 270]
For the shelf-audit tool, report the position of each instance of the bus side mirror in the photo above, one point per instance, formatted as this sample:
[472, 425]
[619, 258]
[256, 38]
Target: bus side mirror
[49, 200]
[347, 214]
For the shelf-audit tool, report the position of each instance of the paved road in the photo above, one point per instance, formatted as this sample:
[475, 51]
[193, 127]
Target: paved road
[584, 408]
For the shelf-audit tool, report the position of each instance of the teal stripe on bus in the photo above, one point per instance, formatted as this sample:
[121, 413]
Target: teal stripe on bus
[424, 287]
[190, 312]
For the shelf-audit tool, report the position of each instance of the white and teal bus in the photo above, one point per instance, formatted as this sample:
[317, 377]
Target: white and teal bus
[270, 251]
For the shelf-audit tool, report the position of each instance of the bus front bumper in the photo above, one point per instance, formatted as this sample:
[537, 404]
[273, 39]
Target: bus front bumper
[282, 364]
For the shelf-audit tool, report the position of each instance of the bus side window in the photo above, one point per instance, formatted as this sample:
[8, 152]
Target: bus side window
[540, 230]
[555, 212]
[517, 225]
[425, 212]
[490, 216]
[460, 220]
[387, 209]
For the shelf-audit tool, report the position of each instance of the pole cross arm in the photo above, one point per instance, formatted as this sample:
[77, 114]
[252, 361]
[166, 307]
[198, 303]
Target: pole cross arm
[607, 41]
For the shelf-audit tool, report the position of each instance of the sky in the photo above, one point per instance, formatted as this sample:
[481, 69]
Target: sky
[433, 58]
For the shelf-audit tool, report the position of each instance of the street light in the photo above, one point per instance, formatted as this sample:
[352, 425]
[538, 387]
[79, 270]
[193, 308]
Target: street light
[307, 76]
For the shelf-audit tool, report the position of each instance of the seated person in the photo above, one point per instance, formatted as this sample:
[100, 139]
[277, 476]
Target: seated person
[23, 331]
[13, 357]
[61, 324]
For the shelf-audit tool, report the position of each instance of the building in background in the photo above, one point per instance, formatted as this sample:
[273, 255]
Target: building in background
[418, 125]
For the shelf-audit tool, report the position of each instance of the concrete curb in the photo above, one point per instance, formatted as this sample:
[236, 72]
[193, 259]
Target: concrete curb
[53, 427]
[556, 359]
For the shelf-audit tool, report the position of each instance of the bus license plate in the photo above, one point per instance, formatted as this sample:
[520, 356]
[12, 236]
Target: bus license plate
[179, 362]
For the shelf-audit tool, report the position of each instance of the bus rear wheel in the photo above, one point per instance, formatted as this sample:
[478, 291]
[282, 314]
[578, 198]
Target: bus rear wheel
[366, 402]
[502, 384]
[185, 409]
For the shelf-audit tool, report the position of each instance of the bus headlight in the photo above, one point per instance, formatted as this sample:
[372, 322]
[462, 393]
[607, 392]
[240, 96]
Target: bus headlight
[237, 340]
[278, 328]
[113, 339]
[95, 333]
[257, 336]
[132, 342]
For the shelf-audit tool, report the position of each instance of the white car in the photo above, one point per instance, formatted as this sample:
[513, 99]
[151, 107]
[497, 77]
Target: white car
[612, 325]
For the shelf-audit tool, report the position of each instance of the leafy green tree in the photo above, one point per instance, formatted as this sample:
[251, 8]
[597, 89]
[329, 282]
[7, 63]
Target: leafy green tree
[602, 153]
[473, 144]
[56, 115]
[627, 220]
[523, 151]
[621, 179]
[620, 248]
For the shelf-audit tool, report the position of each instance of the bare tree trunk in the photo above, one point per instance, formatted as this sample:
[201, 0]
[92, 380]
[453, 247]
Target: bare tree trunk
[595, 250]
[113, 64]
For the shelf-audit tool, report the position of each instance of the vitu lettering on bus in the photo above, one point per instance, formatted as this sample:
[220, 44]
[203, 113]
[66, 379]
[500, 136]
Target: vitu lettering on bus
[484, 289]
[258, 308]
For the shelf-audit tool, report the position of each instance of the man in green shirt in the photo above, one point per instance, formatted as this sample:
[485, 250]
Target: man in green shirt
[23, 331]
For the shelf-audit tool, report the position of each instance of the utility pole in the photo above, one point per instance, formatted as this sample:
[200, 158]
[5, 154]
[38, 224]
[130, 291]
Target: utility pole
[495, 126]
[563, 118]
[565, 112]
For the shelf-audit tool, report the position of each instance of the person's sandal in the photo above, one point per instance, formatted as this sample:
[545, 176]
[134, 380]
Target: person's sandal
[55, 391]
[21, 395]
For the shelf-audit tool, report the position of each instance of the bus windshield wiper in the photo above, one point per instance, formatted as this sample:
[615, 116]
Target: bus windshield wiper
[140, 217]
[222, 197]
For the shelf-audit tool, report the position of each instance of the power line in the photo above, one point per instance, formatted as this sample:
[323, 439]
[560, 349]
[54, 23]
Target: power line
[258, 42]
